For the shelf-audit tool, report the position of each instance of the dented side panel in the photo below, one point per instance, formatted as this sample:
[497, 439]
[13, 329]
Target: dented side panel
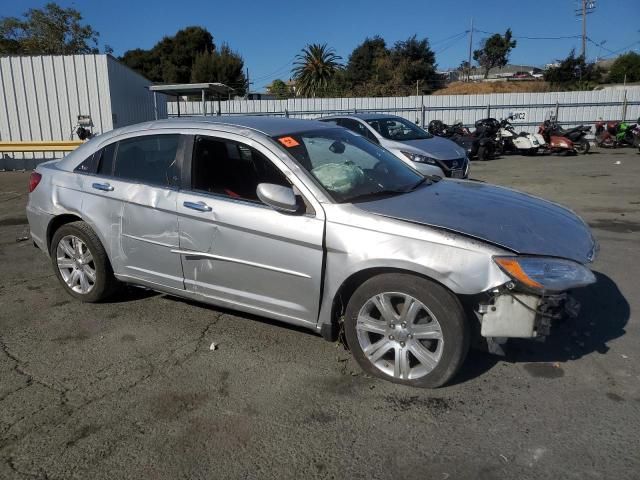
[356, 241]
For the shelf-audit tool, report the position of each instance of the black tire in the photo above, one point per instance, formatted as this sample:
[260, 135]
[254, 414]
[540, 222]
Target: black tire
[483, 155]
[583, 146]
[441, 303]
[105, 283]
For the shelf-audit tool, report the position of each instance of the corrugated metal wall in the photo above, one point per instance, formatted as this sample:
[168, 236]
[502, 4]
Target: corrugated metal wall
[131, 101]
[42, 96]
[573, 107]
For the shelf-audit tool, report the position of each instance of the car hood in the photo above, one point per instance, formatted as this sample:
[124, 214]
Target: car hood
[436, 147]
[516, 221]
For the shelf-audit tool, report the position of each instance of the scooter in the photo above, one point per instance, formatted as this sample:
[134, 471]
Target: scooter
[555, 143]
[478, 144]
[576, 135]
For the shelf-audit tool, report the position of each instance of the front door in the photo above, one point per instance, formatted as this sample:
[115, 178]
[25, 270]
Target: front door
[236, 250]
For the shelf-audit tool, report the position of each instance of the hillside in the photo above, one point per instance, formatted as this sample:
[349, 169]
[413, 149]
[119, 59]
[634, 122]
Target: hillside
[464, 88]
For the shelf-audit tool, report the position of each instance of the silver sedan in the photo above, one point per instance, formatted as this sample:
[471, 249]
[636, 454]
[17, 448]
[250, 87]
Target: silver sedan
[313, 225]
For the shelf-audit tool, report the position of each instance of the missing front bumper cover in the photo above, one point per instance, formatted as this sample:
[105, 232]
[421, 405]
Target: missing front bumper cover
[522, 315]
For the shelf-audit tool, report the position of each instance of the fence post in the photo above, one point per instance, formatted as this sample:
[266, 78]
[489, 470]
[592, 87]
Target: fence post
[557, 110]
[488, 110]
[423, 114]
[624, 107]
[286, 113]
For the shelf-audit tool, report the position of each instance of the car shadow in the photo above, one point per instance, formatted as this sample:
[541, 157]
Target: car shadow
[129, 293]
[603, 316]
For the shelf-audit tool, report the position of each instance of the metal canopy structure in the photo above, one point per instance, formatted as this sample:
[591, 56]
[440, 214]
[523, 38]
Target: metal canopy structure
[178, 90]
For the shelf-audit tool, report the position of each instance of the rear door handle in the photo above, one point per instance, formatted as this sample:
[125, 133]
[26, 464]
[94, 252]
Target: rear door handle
[105, 187]
[199, 206]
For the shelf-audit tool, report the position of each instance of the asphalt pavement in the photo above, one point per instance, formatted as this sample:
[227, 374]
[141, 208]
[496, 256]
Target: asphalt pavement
[130, 389]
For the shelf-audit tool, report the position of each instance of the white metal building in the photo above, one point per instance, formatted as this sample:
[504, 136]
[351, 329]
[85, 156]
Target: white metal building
[41, 97]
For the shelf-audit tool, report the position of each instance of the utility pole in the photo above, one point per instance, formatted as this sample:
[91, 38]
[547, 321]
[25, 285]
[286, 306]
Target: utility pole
[470, 49]
[586, 7]
[248, 83]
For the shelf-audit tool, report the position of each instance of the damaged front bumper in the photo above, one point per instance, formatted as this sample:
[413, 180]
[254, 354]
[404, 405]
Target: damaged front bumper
[509, 314]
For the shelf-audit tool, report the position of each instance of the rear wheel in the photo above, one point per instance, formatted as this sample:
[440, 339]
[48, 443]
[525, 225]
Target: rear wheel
[407, 330]
[582, 146]
[81, 264]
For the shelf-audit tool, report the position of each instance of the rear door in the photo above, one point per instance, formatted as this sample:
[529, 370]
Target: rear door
[237, 250]
[133, 197]
[149, 166]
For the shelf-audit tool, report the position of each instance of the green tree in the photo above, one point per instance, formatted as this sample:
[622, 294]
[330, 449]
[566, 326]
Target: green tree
[415, 63]
[494, 51]
[314, 69]
[172, 58]
[280, 89]
[573, 73]
[52, 30]
[374, 69]
[625, 65]
[367, 63]
[223, 66]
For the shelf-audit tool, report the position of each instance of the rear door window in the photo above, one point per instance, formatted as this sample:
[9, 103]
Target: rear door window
[149, 159]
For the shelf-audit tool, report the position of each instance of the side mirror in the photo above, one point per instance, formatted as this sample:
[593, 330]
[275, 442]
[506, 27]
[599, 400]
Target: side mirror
[281, 199]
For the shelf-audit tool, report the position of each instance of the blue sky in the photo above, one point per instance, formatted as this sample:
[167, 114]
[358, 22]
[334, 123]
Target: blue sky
[269, 34]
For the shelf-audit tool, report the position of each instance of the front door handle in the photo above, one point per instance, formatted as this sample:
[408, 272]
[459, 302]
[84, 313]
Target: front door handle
[105, 187]
[199, 206]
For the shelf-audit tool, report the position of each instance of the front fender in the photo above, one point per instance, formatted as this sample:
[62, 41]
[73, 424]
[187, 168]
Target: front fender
[461, 264]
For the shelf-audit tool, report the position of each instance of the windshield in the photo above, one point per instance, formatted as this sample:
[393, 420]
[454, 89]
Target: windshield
[348, 166]
[398, 129]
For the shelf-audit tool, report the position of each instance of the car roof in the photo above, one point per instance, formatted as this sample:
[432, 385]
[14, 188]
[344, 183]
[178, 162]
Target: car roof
[361, 116]
[266, 125]
[271, 126]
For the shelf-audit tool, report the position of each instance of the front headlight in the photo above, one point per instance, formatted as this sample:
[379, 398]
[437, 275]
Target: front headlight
[416, 157]
[546, 274]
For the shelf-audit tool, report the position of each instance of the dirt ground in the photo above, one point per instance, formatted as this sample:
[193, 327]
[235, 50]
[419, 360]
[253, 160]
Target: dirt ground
[130, 389]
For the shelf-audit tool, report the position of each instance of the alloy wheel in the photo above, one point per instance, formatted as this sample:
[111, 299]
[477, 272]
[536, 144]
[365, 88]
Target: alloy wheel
[399, 335]
[76, 265]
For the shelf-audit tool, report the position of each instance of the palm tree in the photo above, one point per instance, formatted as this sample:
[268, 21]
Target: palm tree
[314, 68]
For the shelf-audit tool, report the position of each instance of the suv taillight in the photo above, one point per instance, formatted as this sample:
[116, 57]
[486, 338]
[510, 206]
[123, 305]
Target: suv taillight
[34, 180]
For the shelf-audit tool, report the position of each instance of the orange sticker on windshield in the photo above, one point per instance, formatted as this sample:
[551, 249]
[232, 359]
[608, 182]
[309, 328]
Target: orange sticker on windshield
[288, 142]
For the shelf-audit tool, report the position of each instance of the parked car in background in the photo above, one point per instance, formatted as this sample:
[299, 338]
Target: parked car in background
[428, 154]
[522, 75]
[313, 225]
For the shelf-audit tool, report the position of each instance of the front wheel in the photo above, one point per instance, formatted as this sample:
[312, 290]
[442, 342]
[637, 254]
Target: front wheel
[81, 263]
[407, 329]
[582, 146]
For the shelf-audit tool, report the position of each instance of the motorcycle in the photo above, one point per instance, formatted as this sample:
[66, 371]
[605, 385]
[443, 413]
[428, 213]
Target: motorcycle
[555, 143]
[606, 134]
[576, 135]
[617, 134]
[512, 142]
[478, 144]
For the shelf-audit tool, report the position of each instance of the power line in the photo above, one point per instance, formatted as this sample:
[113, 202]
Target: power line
[525, 37]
